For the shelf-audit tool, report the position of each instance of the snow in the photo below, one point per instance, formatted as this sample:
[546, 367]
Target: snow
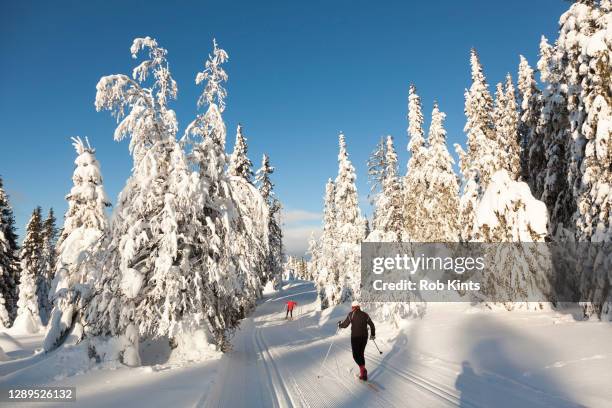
[25, 323]
[8, 343]
[507, 198]
[456, 355]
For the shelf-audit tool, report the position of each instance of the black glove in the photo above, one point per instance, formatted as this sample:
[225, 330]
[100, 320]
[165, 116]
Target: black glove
[339, 323]
[372, 337]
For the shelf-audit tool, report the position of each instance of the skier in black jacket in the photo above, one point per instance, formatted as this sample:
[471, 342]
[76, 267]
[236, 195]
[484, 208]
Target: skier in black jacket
[359, 322]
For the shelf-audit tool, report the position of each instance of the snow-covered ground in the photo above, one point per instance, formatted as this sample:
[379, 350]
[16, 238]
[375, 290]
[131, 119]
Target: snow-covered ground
[457, 355]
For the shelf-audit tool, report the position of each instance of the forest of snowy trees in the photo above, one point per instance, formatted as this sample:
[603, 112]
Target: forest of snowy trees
[193, 239]
[195, 235]
[537, 167]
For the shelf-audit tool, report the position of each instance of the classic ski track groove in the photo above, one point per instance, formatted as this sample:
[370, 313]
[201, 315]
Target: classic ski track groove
[296, 388]
[273, 374]
[427, 385]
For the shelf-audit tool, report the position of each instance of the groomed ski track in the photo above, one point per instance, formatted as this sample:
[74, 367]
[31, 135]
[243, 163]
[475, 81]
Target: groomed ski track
[277, 363]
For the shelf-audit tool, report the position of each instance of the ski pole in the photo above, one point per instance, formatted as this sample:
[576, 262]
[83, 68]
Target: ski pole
[374, 341]
[328, 350]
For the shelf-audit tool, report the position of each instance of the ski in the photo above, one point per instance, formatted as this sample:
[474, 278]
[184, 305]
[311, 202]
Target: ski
[370, 385]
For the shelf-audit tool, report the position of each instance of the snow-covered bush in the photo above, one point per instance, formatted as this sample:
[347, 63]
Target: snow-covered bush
[508, 213]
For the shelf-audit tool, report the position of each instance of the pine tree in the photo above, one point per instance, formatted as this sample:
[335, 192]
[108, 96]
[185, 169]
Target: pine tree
[28, 315]
[314, 252]
[553, 125]
[9, 261]
[531, 142]
[415, 181]
[479, 127]
[480, 160]
[153, 227]
[510, 132]
[351, 227]
[222, 241]
[389, 220]
[240, 165]
[442, 196]
[327, 273]
[275, 233]
[377, 167]
[251, 236]
[85, 225]
[576, 122]
[505, 119]
[49, 238]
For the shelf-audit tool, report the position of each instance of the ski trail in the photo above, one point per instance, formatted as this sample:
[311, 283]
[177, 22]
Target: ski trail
[434, 395]
[283, 398]
[242, 378]
[276, 363]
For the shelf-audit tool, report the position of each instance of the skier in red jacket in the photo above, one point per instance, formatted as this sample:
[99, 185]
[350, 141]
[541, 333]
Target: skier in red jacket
[290, 306]
[359, 322]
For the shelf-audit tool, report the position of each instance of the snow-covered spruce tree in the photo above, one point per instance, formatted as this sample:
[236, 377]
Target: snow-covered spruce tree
[415, 184]
[579, 75]
[377, 166]
[28, 315]
[505, 120]
[153, 227]
[252, 222]
[290, 268]
[314, 252]
[520, 271]
[275, 234]
[221, 240]
[441, 201]
[249, 242]
[389, 227]
[509, 131]
[47, 269]
[480, 160]
[9, 261]
[85, 224]
[553, 125]
[583, 52]
[389, 223]
[240, 165]
[350, 228]
[531, 141]
[326, 277]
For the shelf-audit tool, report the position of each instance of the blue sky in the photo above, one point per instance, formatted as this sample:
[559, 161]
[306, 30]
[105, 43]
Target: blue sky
[299, 72]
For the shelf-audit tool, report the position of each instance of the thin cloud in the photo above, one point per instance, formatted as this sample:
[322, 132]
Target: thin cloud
[300, 216]
[296, 238]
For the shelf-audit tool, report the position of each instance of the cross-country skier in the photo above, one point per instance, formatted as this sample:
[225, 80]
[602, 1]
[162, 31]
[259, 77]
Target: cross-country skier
[359, 322]
[290, 306]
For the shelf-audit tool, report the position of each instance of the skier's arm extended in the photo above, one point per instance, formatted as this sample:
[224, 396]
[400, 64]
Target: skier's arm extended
[372, 328]
[345, 323]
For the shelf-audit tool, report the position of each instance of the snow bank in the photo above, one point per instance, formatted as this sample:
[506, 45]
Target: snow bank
[195, 346]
